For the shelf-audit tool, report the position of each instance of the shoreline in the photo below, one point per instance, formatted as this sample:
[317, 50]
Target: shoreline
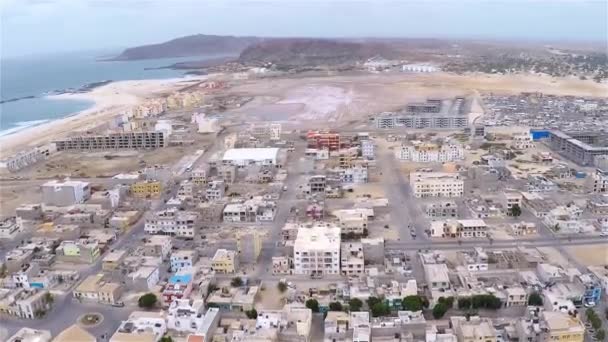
[108, 100]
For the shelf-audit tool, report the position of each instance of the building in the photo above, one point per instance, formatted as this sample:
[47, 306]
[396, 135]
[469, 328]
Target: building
[561, 326]
[593, 288]
[420, 152]
[61, 194]
[509, 199]
[522, 141]
[75, 333]
[142, 326]
[353, 221]
[436, 276]
[242, 157]
[432, 114]
[24, 303]
[158, 246]
[30, 335]
[368, 149]
[114, 141]
[10, 227]
[146, 189]
[352, 261]
[441, 209]
[179, 286]
[291, 323]
[225, 261]
[144, 278]
[113, 260]
[281, 265]
[252, 210]
[436, 184]
[215, 190]
[580, 147]
[81, 251]
[515, 296]
[473, 329]
[599, 181]
[200, 175]
[473, 228]
[317, 251]
[183, 259]
[173, 222]
[23, 159]
[324, 140]
[95, 288]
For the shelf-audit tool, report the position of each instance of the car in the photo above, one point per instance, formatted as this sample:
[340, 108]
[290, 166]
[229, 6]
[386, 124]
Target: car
[118, 304]
[604, 234]
[589, 304]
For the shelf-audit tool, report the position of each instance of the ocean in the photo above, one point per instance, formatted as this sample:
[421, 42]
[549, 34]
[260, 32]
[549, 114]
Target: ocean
[37, 76]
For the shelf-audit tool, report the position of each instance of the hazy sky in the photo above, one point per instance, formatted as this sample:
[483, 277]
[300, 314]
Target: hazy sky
[30, 27]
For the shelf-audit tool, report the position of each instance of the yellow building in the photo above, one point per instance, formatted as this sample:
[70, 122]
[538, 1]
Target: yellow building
[224, 261]
[563, 327]
[146, 189]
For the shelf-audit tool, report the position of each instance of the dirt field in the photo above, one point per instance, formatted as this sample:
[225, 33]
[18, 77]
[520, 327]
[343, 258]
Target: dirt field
[337, 100]
[590, 255]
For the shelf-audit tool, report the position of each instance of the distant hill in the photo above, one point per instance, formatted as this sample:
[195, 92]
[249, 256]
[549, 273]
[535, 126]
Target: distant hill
[195, 45]
[289, 52]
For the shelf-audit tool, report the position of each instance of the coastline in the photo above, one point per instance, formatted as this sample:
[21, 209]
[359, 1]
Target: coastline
[108, 100]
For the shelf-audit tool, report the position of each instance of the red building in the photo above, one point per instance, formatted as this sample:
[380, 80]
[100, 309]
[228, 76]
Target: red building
[320, 140]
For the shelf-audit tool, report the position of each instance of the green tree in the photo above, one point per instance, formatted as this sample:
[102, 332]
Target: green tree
[147, 301]
[515, 210]
[252, 314]
[439, 310]
[3, 271]
[355, 304]
[448, 301]
[412, 303]
[600, 335]
[236, 282]
[535, 299]
[380, 309]
[464, 303]
[282, 287]
[371, 301]
[166, 339]
[313, 305]
[48, 298]
[335, 306]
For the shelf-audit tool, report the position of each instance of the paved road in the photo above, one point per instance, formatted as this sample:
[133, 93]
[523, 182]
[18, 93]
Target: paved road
[495, 244]
[406, 215]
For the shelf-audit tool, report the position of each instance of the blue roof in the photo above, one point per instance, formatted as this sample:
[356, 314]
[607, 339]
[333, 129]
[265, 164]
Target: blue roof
[180, 279]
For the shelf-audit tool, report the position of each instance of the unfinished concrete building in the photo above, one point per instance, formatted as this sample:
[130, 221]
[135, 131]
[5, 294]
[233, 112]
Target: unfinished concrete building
[114, 141]
[580, 147]
[434, 114]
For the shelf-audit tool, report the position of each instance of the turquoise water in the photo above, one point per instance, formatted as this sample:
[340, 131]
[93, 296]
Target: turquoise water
[35, 76]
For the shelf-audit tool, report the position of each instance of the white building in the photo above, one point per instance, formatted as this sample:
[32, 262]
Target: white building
[247, 156]
[419, 68]
[599, 181]
[30, 335]
[141, 326]
[421, 152]
[56, 193]
[436, 184]
[437, 277]
[173, 222]
[368, 149]
[183, 259]
[186, 315]
[253, 210]
[353, 175]
[522, 141]
[565, 219]
[215, 190]
[317, 250]
[473, 228]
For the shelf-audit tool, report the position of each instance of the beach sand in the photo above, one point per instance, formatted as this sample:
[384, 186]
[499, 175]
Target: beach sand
[109, 100]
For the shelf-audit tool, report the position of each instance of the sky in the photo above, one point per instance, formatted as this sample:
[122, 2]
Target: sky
[35, 27]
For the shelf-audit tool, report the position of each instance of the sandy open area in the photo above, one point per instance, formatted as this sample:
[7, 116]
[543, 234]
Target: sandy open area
[109, 100]
[590, 255]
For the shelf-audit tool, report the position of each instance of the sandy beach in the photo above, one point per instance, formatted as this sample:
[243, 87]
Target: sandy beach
[109, 100]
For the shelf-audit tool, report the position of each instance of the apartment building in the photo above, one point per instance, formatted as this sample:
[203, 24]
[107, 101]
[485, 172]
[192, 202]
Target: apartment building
[215, 190]
[436, 184]
[10, 227]
[323, 140]
[368, 149]
[225, 261]
[249, 245]
[200, 175]
[158, 246]
[57, 193]
[146, 189]
[352, 261]
[420, 152]
[317, 250]
[173, 222]
[441, 209]
[24, 303]
[281, 265]
[114, 141]
[522, 141]
[353, 220]
[253, 210]
[23, 159]
[436, 276]
[561, 326]
[509, 199]
[599, 181]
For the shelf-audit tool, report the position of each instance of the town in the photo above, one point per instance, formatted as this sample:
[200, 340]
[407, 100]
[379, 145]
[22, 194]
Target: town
[450, 218]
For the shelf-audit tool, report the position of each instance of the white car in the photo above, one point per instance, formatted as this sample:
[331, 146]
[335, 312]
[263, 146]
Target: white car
[589, 304]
